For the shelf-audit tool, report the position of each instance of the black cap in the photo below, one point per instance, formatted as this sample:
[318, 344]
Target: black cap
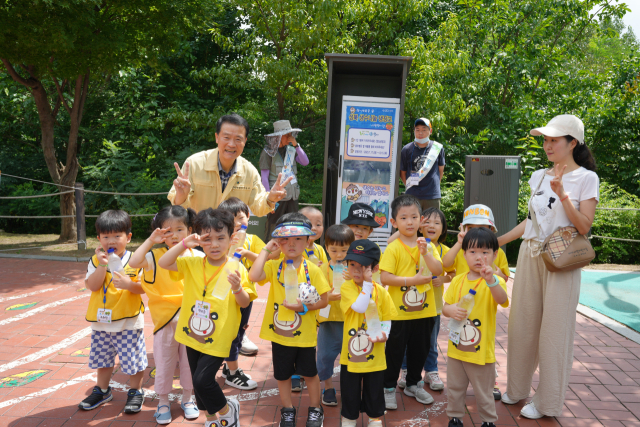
[364, 252]
[361, 214]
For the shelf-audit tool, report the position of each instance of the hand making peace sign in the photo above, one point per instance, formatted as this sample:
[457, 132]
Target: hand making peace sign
[278, 191]
[182, 183]
[556, 182]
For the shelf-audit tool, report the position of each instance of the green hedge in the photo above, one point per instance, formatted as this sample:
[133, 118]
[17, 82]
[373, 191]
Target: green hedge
[620, 224]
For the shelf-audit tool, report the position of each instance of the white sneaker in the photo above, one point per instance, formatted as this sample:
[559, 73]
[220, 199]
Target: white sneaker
[390, 398]
[403, 378]
[434, 381]
[248, 348]
[507, 400]
[376, 423]
[530, 411]
[346, 422]
[419, 393]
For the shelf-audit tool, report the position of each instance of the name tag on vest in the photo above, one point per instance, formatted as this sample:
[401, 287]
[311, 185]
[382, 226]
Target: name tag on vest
[104, 315]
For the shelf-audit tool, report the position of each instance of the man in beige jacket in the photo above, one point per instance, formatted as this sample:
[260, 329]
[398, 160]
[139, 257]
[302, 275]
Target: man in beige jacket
[209, 177]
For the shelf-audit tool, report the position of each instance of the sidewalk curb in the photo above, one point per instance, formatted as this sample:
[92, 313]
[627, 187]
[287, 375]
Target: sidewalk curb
[45, 257]
[614, 325]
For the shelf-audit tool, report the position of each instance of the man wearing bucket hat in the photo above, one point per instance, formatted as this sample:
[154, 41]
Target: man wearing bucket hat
[280, 155]
[422, 166]
[209, 177]
[542, 321]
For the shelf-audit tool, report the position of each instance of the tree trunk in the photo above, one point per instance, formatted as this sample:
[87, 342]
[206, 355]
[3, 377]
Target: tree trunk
[62, 174]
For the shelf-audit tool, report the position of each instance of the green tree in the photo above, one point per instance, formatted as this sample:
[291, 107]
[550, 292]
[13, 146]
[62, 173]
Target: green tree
[54, 48]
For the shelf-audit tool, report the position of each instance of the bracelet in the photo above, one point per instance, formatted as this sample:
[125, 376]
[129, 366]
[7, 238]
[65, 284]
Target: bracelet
[495, 282]
[185, 246]
[102, 265]
[268, 251]
[565, 198]
[302, 313]
[236, 293]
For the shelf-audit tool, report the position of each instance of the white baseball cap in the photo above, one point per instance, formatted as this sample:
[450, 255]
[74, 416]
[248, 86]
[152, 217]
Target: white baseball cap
[479, 215]
[562, 125]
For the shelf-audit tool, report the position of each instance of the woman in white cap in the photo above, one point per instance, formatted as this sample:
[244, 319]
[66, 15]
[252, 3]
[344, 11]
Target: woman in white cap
[543, 314]
[280, 155]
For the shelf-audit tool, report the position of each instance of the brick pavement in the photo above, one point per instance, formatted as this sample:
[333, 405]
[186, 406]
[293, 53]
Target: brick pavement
[604, 388]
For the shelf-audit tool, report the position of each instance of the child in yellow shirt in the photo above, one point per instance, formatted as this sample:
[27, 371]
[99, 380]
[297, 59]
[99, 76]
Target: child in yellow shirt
[116, 313]
[251, 247]
[170, 226]
[314, 252]
[330, 319]
[471, 353]
[291, 325]
[362, 360]
[213, 321]
[413, 298]
[361, 219]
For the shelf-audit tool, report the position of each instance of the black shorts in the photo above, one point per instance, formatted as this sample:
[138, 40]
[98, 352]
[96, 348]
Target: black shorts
[293, 360]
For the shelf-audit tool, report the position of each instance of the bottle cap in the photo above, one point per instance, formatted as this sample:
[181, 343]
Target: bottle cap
[237, 255]
[243, 227]
[310, 252]
[472, 292]
[111, 250]
[289, 261]
[428, 240]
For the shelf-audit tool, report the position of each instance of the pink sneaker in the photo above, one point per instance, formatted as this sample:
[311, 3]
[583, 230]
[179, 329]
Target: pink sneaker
[434, 381]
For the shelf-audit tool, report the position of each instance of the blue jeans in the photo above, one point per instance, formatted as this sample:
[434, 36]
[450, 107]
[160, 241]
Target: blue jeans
[329, 347]
[431, 365]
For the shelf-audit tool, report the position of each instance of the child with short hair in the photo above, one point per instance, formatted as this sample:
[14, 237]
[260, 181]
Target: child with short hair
[231, 372]
[213, 322]
[170, 225]
[330, 319]
[477, 216]
[413, 298]
[471, 354]
[291, 325]
[317, 226]
[361, 220]
[363, 361]
[116, 313]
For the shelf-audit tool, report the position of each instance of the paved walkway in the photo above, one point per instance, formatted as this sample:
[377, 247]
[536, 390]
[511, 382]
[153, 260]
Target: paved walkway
[46, 344]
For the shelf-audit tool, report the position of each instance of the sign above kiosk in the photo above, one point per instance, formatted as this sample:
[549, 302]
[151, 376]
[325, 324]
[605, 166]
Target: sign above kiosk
[367, 166]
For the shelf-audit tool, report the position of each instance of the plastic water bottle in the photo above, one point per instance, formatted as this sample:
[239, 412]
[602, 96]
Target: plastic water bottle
[374, 326]
[114, 262]
[222, 288]
[437, 293]
[241, 236]
[425, 270]
[291, 289]
[338, 279]
[313, 258]
[467, 303]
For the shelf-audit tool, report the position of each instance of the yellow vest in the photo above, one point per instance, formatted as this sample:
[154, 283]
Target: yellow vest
[165, 294]
[123, 304]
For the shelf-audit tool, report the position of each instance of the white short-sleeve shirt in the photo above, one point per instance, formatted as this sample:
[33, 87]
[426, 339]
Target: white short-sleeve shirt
[580, 184]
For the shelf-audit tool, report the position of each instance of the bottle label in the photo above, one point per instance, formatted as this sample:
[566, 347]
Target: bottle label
[104, 315]
[454, 337]
[202, 310]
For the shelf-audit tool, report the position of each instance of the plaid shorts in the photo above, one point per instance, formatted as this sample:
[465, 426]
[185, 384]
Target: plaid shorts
[128, 345]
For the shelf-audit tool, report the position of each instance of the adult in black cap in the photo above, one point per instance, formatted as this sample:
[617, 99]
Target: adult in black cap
[361, 220]
[422, 166]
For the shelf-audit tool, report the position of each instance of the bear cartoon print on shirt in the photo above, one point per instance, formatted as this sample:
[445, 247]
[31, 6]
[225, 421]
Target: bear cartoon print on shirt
[412, 299]
[470, 337]
[359, 346]
[201, 329]
[284, 328]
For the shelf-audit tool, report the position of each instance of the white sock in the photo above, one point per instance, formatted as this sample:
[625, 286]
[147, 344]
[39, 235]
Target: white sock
[164, 400]
[186, 396]
[233, 371]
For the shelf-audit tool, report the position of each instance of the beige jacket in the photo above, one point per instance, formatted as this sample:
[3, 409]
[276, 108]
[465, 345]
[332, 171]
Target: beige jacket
[205, 191]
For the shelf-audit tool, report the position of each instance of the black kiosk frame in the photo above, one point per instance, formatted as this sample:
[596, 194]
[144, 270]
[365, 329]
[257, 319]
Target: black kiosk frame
[374, 76]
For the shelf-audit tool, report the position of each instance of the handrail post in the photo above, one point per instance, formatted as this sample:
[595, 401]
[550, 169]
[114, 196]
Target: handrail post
[80, 220]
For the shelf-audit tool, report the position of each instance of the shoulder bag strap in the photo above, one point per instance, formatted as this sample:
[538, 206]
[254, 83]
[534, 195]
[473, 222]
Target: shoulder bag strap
[532, 212]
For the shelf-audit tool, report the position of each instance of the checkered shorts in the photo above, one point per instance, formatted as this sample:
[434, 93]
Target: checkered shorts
[128, 345]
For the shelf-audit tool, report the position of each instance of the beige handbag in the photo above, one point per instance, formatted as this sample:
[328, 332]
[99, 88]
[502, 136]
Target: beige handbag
[565, 249]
